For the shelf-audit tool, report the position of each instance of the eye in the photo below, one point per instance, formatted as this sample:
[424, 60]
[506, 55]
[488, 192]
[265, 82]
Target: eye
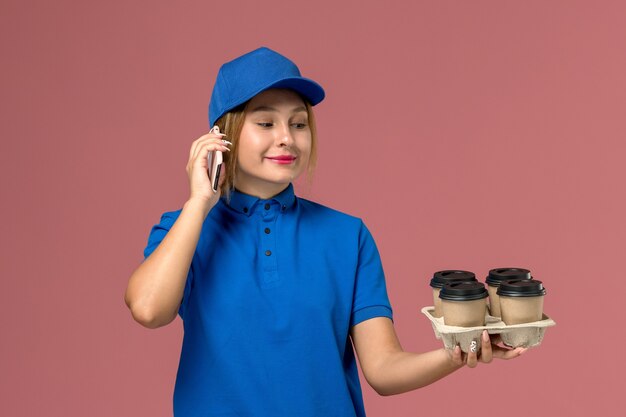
[265, 124]
[299, 125]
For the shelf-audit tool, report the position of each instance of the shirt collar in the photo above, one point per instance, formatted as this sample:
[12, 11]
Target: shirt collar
[244, 203]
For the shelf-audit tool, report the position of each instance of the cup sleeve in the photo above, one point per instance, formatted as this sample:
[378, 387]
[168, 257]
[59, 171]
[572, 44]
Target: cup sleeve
[370, 291]
[157, 234]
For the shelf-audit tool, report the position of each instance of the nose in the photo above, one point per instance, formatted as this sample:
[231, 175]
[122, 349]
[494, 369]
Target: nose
[285, 137]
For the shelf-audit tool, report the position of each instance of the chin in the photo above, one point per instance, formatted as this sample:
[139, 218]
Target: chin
[283, 181]
[284, 177]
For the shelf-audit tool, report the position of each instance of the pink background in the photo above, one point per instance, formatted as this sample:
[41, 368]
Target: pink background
[468, 135]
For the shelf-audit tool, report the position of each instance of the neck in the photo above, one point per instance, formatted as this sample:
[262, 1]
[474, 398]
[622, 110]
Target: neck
[263, 191]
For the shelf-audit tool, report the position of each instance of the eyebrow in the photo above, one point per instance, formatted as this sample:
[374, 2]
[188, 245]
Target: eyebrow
[272, 109]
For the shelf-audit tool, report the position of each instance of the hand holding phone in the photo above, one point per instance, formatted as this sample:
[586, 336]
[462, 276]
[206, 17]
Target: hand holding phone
[215, 161]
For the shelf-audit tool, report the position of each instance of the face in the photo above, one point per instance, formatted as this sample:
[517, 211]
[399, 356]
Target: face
[274, 144]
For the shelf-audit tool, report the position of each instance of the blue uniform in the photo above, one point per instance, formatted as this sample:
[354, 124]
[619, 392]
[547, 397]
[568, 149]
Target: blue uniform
[273, 289]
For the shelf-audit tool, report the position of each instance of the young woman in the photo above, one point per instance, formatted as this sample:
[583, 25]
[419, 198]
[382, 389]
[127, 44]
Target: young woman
[276, 292]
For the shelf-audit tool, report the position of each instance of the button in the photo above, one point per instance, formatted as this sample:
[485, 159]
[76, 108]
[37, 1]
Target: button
[268, 252]
[284, 207]
[267, 230]
[245, 209]
[267, 206]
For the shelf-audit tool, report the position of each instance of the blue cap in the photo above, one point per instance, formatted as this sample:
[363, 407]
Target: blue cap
[243, 78]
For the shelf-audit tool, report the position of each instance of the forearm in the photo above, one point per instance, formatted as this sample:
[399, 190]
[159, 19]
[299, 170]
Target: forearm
[155, 289]
[388, 368]
[405, 371]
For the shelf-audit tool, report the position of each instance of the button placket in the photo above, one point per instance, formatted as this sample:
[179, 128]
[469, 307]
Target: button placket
[268, 242]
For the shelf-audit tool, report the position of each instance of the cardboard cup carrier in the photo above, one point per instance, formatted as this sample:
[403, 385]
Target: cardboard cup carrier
[465, 316]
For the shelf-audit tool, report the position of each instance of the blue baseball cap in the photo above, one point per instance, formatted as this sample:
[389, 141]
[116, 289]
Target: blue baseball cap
[243, 78]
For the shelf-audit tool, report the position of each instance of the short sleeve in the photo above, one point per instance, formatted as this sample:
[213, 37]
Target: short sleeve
[157, 234]
[370, 292]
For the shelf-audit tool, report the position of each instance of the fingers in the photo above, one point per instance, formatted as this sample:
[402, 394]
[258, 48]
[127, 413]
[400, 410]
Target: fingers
[213, 137]
[472, 355]
[457, 356]
[486, 354]
[198, 164]
[504, 353]
[202, 146]
[209, 143]
[488, 351]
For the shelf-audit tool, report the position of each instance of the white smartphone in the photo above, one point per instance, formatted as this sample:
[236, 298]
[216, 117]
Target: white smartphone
[215, 160]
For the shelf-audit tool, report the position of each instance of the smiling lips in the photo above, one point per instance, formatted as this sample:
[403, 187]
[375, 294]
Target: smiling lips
[282, 159]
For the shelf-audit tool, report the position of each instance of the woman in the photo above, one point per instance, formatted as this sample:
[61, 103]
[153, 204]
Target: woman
[274, 290]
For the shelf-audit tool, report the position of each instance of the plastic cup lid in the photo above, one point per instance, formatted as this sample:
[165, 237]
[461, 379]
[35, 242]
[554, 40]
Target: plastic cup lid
[496, 276]
[521, 288]
[451, 275]
[463, 291]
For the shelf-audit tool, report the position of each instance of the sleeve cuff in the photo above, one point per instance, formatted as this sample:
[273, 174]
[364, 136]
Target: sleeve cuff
[369, 313]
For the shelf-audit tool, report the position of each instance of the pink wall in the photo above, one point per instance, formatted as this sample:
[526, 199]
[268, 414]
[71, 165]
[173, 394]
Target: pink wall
[499, 127]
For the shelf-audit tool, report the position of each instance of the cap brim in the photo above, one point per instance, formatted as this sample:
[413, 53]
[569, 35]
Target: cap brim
[307, 88]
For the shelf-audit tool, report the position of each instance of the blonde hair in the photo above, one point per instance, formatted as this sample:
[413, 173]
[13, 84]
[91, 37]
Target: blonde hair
[231, 124]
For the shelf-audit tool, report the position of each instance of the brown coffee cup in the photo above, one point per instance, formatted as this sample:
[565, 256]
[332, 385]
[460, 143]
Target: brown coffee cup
[497, 276]
[521, 301]
[440, 278]
[464, 304]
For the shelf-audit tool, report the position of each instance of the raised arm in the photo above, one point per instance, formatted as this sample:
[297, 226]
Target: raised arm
[155, 289]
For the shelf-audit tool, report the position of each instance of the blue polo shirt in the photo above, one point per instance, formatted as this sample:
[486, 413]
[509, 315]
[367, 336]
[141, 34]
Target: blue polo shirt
[273, 289]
